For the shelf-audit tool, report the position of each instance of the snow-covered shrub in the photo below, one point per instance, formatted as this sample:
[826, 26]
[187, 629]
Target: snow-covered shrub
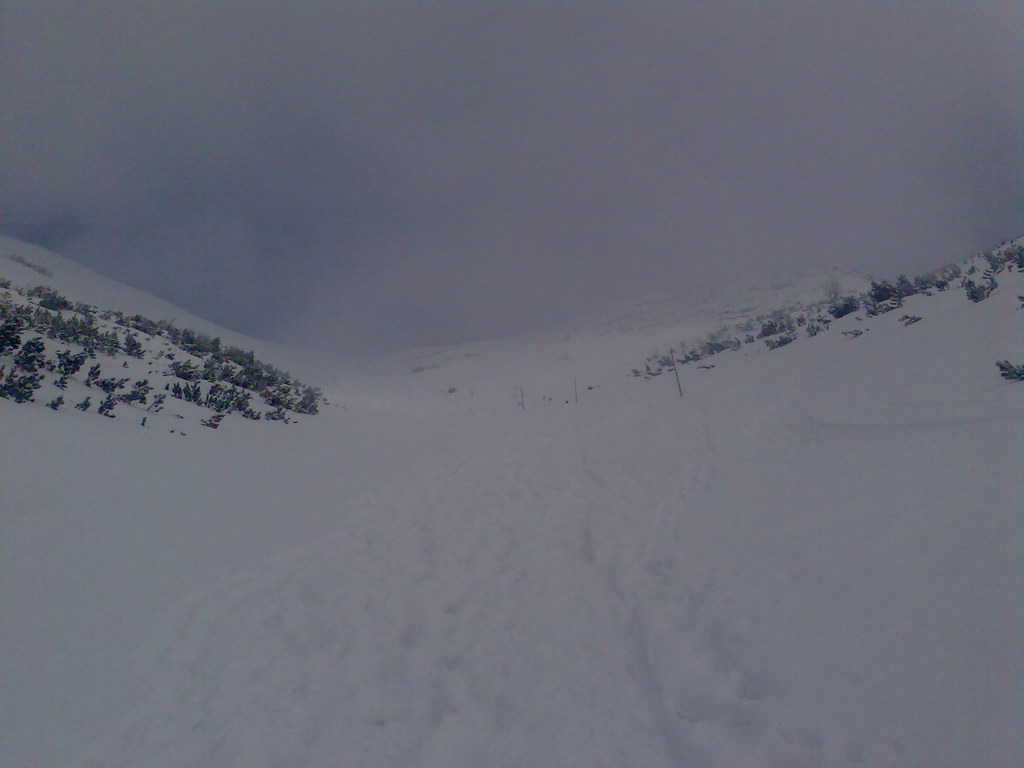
[30, 357]
[780, 341]
[50, 299]
[37, 268]
[775, 323]
[977, 292]
[132, 346]
[106, 408]
[10, 334]
[184, 370]
[1010, 371]
[20, 387]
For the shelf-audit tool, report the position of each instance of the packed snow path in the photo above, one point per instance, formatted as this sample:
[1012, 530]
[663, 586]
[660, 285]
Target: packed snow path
[577, 598]
[461, 626]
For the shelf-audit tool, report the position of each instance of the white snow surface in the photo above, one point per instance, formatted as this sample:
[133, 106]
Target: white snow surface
[810, 559]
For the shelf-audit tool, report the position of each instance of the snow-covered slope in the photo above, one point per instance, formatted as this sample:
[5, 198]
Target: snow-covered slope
[31, 265]
[47, 268]
[809, 559]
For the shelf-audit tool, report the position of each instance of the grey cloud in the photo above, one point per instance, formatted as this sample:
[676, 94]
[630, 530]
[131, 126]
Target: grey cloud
[392, 174]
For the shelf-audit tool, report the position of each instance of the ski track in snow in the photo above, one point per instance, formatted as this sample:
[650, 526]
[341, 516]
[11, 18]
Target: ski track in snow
[383, 640]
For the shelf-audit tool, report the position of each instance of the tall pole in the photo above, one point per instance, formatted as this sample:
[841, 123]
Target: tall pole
[575, 391]
[675, 369]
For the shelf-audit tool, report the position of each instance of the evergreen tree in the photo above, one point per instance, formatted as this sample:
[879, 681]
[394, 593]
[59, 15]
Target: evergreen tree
[20, 387]
[184, 370]
[923, 282]
[278, 414]
[778, 323]
[280, 396]
[903, 289]
[977, 292]
[108, 343]
[880, 291]
[842, 306]
[10, 335]
[780, 341]
[308, 403]
[68, 365]
[132, 346]
[213, 422]
[30, 357]
[211, 370]
[56, 403]
[111, 385]
[84, 405]
[106, 408]
[52, 300]
[240, 399]
[217, 398]
[1010, 371]
[138, 394]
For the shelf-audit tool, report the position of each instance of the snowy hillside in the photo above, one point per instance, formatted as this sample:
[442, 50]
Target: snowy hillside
[64, 352]
[25, 264]
[517, 553]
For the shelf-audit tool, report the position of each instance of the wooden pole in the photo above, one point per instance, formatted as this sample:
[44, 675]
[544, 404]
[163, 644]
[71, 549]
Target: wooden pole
[575, 392]
[675, 370]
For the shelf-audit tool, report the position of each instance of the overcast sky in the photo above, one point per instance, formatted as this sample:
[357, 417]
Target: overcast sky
[401, 173]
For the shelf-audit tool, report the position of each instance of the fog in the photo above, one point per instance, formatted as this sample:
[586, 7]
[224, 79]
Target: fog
[367, 177]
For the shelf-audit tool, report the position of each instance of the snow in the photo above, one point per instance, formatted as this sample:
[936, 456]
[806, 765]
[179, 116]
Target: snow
[811, 559]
